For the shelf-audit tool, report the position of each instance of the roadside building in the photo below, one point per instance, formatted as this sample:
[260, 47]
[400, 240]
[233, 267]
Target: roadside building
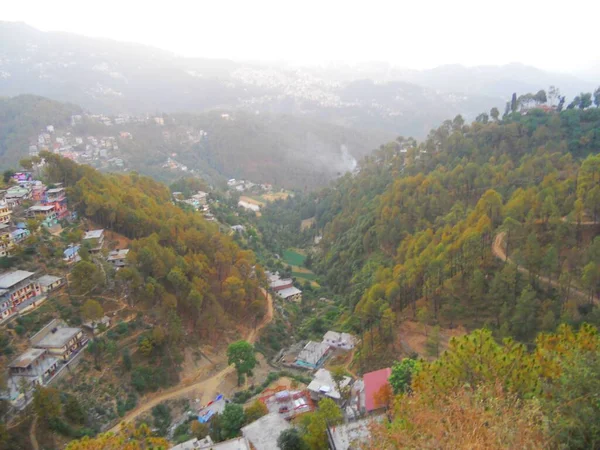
[288, 403]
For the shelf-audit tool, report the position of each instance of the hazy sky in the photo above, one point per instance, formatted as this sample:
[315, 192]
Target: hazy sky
[556, 35]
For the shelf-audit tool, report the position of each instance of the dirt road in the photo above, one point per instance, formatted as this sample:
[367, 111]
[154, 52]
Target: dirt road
[209, 386]
[32, 438]
[498, 250]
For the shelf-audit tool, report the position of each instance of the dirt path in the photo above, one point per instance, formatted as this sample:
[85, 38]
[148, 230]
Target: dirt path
[208, 386]
[32, 438]
[498, 250]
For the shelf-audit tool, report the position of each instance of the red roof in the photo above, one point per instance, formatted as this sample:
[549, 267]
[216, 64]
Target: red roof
[374, 381]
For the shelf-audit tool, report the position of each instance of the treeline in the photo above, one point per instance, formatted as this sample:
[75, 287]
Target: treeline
[178, 262]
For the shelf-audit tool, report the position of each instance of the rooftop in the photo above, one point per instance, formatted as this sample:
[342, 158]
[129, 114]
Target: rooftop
[59, 338]
[207, 443]
[8, 280]
[313, 352]
[118, 254]
[25, 359]
[280, 282]
[288, 292]
[47, 280]
[334, 336]
[350, 435]
[93, 234]
[37, 208]
[55, 190]
[374, 381]
[263, 433]
[324, 384]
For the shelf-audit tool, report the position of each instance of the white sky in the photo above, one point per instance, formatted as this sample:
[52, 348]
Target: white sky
[555, 35]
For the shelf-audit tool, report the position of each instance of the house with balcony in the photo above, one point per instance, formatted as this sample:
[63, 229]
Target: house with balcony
[18, 291]
[35, 364]
[58, 198]
[46, 214]
[5, 212]
[59, 340]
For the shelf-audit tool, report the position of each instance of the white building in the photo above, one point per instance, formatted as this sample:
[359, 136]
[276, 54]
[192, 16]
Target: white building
[343, 341]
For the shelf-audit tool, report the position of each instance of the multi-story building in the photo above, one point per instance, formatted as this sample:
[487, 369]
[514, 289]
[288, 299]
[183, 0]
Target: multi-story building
[5, 212]
[17, 290]
[36, 364]
[38, 191]
[58, 198]
[60, 341]
[118, 258]
[6, 240]
[95, 238]
[46, 214]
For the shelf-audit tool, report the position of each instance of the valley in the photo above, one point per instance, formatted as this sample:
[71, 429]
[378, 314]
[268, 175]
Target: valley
[219, 254]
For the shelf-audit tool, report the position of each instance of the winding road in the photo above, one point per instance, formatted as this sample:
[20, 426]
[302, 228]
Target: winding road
[209, 386]
[499, 252]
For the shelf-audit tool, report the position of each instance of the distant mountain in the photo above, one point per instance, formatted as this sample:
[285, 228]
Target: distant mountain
[284, 150]
[113, 77]
[496, 81]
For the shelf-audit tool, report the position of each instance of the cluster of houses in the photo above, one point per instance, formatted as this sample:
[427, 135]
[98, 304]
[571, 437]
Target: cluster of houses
[94, 240]
[314, 354]
[284, 287]
[198, 201]
[358, 399]
[52, 350]
[50, 207]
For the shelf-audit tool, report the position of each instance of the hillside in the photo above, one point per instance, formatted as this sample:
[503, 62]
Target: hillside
[23, 118]
[412, 232]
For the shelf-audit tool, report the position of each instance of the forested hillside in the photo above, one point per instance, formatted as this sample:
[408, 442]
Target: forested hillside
[411, 235]
[181, 267]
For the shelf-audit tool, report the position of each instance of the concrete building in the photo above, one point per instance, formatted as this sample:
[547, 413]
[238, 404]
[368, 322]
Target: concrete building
[59, 340]
[323, 386]
[35, 364]
[5, 212]
[17, 289]
[95, 238]
[291, 294]
[262, 434]
[207, 443]
[312, 355]
[349, 436]
[6, 240]
[49, 283]
[118, 258]
[342, 341]
[46, 214]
